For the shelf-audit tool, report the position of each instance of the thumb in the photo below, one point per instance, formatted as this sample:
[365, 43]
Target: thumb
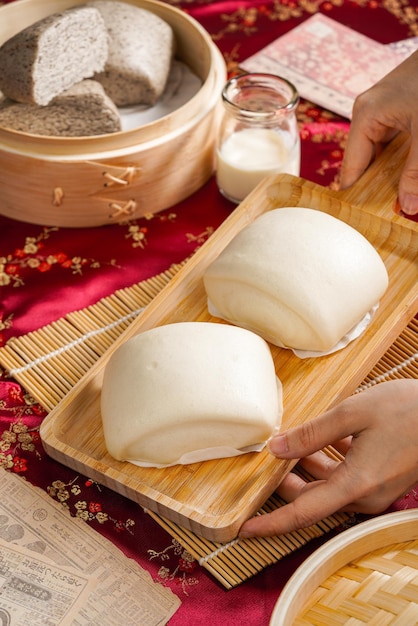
[295, 443]
[333, 425]
[408, 183]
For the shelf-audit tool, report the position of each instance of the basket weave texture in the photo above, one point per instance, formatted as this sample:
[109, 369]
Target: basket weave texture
[380, 588]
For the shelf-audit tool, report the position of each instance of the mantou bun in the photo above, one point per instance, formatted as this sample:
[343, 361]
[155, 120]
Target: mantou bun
[298, 277]
[188, 386]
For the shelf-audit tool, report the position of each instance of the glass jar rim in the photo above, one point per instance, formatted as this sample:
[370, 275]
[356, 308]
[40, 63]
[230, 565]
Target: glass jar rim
[263, 80]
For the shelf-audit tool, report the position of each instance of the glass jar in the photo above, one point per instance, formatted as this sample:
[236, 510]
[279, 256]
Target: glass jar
[258, 133]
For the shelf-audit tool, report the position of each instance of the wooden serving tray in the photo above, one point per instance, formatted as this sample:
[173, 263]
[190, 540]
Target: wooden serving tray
[212, 499]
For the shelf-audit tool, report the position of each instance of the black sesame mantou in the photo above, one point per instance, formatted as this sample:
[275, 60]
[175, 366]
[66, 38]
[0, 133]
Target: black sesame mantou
[141, 48]
[83, 109]
[48, 57]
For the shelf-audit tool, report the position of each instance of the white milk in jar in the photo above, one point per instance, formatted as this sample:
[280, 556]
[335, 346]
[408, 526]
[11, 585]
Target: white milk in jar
[251, 154]
[258, 135]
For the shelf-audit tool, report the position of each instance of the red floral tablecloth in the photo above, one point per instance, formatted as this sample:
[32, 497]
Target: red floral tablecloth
[47, 272]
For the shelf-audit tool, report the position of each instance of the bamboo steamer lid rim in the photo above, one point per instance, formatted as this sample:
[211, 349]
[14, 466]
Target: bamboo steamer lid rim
[350, 545]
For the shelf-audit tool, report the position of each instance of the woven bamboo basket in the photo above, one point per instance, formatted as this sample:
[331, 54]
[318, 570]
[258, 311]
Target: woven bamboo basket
[366, 575]
[105, 179]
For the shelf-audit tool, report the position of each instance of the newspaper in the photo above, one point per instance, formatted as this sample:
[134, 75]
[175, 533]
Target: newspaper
[35, 591]
[57, 571]
[329, 63]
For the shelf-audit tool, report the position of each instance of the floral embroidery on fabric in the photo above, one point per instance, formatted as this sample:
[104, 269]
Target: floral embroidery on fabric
[404, 13]
[138, 236]
[67, 494]
[5, 324]
[31, 256]
[20, 404]
[244, 19]
[137, 232]
[308, 114]
[201, 237]
[18, 438]
[331, 166]
[182, 572]
[19, 442]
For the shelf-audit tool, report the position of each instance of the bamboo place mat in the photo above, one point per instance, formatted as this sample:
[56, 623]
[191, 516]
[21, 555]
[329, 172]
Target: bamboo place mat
[74, 343]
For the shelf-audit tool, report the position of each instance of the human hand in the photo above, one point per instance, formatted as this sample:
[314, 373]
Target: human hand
[379, 114]
[377, 430]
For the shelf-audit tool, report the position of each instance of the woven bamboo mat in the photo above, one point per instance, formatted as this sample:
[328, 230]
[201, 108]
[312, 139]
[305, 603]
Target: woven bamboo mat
[73, 343]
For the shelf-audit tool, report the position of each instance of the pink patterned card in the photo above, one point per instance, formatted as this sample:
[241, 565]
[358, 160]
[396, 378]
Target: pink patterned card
[329, 63]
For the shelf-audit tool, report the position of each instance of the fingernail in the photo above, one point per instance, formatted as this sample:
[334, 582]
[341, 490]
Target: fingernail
[245, 534]
[409, 204]
[278, 445]
[246, 531]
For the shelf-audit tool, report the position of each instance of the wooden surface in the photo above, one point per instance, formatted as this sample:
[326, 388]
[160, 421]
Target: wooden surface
[367, 573]
[91, 181]
[213, 498]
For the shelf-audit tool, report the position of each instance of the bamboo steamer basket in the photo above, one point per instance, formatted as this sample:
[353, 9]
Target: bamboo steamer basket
[106, 179]
[366, 575]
